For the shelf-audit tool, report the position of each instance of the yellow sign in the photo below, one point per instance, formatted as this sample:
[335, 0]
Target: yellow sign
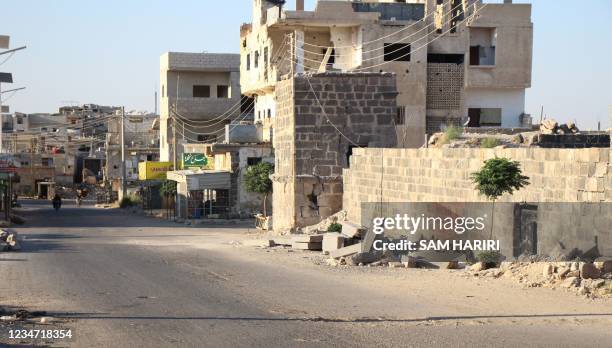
[153, 170]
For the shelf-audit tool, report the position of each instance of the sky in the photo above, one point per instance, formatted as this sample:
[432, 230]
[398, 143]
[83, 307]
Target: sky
[107, 52]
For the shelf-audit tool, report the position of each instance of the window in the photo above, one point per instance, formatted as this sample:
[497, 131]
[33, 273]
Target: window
[456, 15]
[445, 58]
[19, 120]
[482, 46]
[400, 116]
[265, 57]
[163, 91]
[332, 56]
[201, 91]
[248, 62]
[269, 113]
[397, 52]
[485, 117]
[251, 161]
[222, 91]
[210, 138]
[256, 63]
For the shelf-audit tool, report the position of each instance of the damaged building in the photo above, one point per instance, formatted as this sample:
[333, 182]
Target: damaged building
[456, 62]
[354, 74]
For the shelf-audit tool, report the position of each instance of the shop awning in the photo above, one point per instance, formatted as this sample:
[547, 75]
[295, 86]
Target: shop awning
[202, 180]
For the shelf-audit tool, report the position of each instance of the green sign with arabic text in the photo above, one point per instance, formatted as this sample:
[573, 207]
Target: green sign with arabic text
[196, 160]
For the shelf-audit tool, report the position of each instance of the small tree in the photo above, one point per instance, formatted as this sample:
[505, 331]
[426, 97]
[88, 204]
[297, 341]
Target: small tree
[257, 180]
[167, 188]
[497, 177]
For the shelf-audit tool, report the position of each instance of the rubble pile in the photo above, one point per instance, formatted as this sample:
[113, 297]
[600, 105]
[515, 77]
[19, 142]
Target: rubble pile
[591, 279]
[323, 226]
[468, 139]
[9, 241]
[551, 126]
[317, 238]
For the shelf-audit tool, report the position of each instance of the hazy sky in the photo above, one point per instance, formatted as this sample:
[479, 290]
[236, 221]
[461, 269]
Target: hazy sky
[107, 52]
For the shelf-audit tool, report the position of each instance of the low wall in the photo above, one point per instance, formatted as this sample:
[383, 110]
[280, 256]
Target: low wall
[582, 176]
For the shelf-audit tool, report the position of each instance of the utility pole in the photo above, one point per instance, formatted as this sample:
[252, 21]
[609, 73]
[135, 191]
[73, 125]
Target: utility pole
[5, 44]
[123, 169]
[174, 159]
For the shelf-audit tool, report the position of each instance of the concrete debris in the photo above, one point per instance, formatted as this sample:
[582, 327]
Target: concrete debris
[365, 258]
[307, 246]
[307, 238]
[9, 241]
[281, 241]
[477, 267]
[352, 230]
[551, 126]
[583, 278]
[322, 226]
[346, 251]
[332, 241]
[589, 271]
[603, 264]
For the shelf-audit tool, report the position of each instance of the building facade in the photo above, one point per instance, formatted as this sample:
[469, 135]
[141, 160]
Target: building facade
[456, 62]
[200, 94]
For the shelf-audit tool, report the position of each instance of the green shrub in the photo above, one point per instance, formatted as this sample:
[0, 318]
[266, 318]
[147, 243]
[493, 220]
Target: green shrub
[451, 133]
[129, 201]
[334, 227]
[489, 143]
[167, 188]
[489, 258]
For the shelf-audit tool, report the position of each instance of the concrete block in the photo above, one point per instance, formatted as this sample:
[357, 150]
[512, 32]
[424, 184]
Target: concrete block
[346, 251]
[306, 246]
[306, 238]
[352, 230]
[332, 241]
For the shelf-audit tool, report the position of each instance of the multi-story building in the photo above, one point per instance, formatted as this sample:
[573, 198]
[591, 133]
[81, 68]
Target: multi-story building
[141, 137]
[200, 94]
[459, 62]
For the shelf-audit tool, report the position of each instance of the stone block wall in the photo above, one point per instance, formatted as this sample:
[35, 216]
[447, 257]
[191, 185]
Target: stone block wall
[582, 176]
[313, 141]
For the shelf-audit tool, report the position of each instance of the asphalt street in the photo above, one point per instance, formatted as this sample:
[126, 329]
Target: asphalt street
[125, 280]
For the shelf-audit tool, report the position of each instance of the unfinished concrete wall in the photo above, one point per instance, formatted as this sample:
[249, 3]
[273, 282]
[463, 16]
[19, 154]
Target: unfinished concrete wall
[179, 72]
[443, 175]
[313, 143]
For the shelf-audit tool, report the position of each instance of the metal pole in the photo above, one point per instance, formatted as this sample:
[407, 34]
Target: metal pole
[174, 142]
[123, 169]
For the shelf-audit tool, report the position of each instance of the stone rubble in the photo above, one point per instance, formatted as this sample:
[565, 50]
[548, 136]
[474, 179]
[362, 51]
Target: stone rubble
[584, 278]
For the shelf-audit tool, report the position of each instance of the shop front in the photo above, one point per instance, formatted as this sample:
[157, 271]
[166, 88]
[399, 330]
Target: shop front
[202, 194]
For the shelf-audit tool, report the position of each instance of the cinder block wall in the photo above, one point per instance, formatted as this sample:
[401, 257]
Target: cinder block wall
[443, 175]
[312, 144]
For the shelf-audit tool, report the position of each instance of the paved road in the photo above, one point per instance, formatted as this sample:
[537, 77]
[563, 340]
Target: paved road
[131, 281]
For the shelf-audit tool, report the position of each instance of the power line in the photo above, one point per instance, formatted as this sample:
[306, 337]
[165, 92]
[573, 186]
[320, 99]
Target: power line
[380, 38]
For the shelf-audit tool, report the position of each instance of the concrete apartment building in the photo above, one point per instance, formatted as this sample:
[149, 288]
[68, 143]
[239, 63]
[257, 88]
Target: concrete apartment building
[385, 73]
[200, 94]
[141, 138]
[452, 58]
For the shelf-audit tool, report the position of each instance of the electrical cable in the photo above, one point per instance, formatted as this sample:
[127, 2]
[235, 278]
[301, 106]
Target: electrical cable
[383, 37]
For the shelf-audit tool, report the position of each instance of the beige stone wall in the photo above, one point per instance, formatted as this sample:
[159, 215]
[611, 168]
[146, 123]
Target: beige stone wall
[283, 195]
[312, 142]
[443, 175]
[579, 176]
